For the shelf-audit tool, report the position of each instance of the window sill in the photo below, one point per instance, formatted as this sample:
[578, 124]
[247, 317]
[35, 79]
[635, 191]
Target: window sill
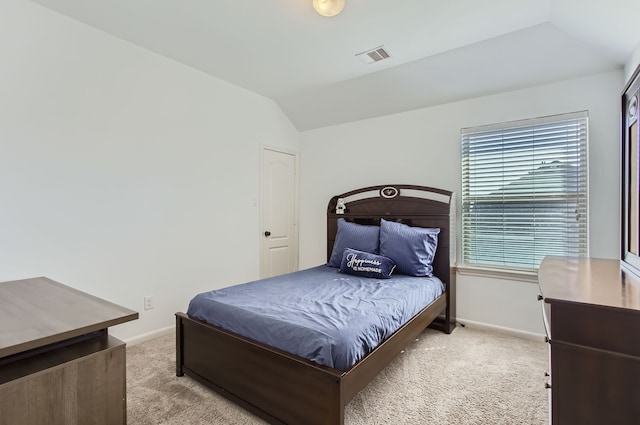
[530, 276]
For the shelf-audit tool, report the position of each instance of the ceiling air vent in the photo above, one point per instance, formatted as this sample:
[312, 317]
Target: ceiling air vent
[374, 55]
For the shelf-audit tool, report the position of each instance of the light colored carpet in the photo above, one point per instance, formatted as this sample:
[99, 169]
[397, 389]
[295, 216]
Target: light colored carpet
[468, 377]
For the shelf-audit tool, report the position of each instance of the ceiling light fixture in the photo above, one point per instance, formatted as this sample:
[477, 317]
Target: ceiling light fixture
[328, 7]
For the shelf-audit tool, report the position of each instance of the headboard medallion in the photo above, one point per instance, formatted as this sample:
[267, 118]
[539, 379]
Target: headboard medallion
[389, 192]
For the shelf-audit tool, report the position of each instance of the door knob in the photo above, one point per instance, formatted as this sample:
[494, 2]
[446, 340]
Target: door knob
[267, 233]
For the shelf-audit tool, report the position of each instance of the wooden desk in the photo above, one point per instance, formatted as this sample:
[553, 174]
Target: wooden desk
[592, 317]
[58, 365]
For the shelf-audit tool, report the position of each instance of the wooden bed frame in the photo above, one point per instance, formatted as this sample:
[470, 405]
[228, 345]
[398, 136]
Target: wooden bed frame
[283, 388]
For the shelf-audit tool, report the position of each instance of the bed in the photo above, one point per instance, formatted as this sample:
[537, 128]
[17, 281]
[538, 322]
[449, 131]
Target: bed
[283, 387]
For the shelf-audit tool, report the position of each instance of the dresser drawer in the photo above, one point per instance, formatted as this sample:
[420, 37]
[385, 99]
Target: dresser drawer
[594, 387]
[601, 327]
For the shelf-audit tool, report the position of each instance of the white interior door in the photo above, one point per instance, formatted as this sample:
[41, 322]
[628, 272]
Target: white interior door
[278, 193]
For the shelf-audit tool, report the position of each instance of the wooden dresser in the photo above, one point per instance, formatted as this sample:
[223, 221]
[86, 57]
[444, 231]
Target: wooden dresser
[591, 312]
[58, 364]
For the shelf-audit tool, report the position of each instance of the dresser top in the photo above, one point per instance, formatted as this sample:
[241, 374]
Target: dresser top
[39, 311]
[594, 281]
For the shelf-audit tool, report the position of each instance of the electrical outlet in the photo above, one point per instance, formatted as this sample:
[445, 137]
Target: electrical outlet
[148, 302]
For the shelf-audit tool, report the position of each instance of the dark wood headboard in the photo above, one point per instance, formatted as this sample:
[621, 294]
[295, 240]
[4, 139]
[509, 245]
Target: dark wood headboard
[412, 205]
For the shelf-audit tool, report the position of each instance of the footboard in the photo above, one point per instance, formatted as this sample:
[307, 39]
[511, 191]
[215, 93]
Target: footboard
[277, 386]
[270, 383]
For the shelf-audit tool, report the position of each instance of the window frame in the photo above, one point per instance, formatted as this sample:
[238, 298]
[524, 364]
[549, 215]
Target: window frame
[630, 176]
[477, 264]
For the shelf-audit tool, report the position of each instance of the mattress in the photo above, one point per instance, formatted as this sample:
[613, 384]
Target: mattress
[331, 318]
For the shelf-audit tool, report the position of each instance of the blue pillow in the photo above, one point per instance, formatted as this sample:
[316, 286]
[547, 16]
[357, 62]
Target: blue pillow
[355, 236]
[364, 264]
[412, 248]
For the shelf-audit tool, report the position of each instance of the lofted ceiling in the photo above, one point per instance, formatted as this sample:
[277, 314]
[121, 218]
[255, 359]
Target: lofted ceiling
[440, 51]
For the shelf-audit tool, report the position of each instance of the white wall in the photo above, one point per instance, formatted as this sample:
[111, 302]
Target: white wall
[632, 63]
[123, 173]
[423, 147]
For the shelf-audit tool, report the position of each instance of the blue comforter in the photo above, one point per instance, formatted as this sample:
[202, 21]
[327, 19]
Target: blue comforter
[331, 318]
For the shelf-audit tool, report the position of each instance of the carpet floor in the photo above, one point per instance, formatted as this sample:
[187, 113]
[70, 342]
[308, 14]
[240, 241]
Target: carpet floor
[469, 377]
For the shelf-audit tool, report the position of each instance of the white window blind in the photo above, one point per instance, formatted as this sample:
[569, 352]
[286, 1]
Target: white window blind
[524, 191]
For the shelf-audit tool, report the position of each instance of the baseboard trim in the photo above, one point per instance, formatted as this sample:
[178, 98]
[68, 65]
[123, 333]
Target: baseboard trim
[150, 335]
[501, 329]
